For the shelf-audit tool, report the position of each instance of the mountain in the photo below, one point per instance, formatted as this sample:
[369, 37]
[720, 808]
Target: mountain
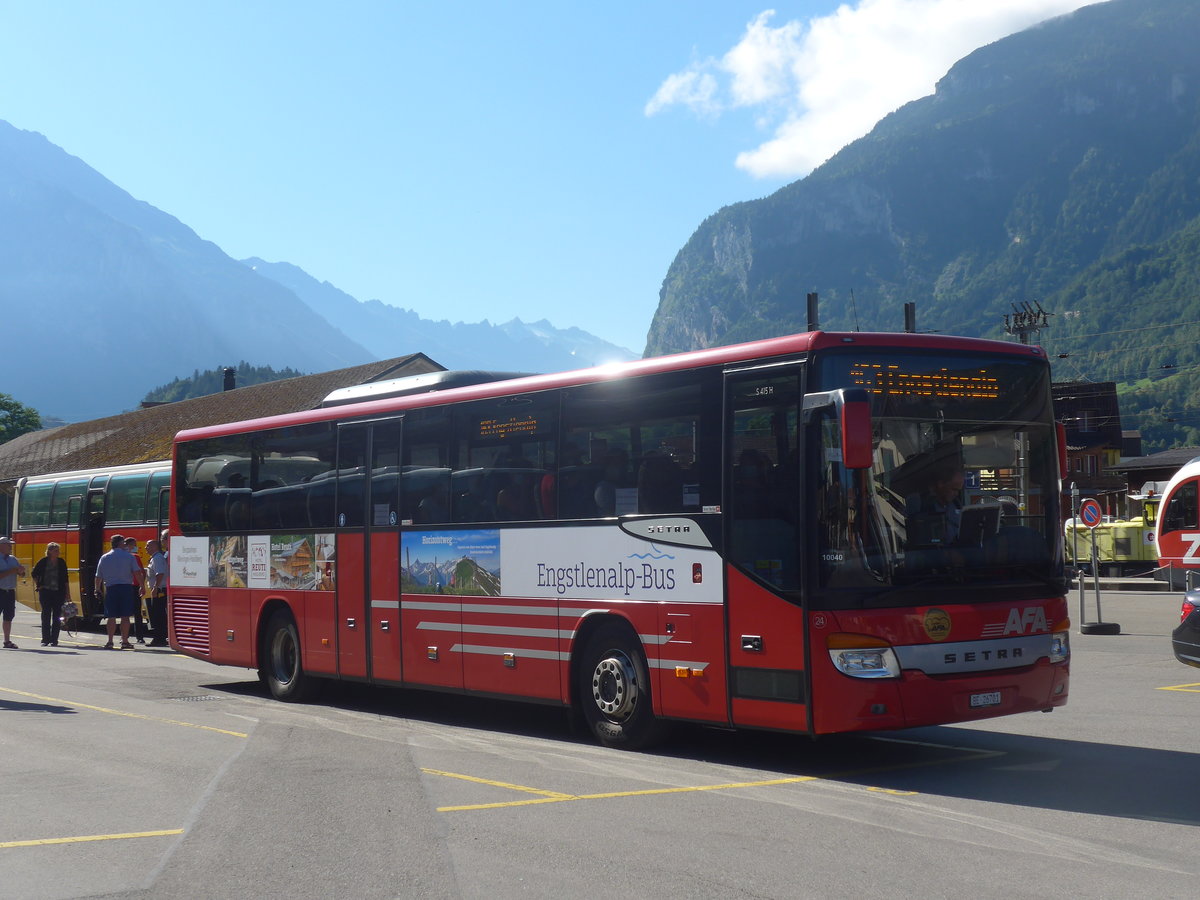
[512, 346]
[112, 296]
[1060, 165]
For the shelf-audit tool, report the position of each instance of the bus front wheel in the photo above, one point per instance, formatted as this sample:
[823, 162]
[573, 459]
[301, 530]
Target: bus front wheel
[614, 691]
[281, 667]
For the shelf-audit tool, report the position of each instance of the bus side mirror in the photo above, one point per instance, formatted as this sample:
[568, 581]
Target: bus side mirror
[857, 439]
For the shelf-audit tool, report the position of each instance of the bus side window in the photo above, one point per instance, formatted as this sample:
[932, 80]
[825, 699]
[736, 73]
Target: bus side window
[425, 465]
[34, 507]
[425, 493]
[640, 445]
[61, 512]
[501, 449]
[659, 484]
[127, 497]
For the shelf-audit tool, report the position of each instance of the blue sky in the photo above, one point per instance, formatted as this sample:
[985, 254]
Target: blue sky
[474, 160]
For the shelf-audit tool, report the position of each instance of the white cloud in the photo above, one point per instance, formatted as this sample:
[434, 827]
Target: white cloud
[693, 88]
[818, 86]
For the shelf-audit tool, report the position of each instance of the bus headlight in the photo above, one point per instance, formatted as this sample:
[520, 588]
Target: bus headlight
[862, 656]
[1060, 646]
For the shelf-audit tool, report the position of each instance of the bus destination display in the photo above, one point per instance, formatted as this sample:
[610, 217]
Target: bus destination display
[895, 381]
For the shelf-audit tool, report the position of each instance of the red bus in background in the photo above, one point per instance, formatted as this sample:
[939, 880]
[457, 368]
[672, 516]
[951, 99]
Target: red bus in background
[741, 536]
[81, 511]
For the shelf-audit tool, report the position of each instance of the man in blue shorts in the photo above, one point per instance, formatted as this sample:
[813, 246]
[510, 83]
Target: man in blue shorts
[120, 574]
[10, 568]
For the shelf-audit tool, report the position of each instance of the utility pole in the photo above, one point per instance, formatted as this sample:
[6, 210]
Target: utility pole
[1026, 320]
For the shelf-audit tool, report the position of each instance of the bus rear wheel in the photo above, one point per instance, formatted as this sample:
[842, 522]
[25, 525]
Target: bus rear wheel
[614, 691]
[281, 667]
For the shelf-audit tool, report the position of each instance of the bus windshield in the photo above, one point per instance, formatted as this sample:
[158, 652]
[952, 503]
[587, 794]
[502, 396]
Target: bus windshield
[963, 488]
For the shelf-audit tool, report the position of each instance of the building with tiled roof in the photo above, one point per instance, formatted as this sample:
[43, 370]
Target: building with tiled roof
[145, 435]
[1091, 416]
[1157, 467]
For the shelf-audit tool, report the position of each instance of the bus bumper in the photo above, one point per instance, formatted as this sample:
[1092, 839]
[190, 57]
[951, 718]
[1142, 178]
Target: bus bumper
[917, 699]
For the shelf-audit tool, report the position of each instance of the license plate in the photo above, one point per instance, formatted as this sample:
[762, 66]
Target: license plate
[991, 698]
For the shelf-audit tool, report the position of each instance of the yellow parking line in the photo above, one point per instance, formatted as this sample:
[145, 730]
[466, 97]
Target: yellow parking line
[556, 797]
[552, 795]
[89, 837]
[117, 712]
[1186, 688]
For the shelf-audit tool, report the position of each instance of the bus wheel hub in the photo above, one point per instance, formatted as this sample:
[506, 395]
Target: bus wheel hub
[614, 685]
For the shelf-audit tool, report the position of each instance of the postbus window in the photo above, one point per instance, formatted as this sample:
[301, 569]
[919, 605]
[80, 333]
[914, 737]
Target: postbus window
[635, 446]
[503, 450]
[35, 505]
[127, 497]
[63, 512]
[158, 482]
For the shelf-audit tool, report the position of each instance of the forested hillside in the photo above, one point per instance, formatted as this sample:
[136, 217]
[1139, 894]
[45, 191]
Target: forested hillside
[1059, 166]
[212, 381]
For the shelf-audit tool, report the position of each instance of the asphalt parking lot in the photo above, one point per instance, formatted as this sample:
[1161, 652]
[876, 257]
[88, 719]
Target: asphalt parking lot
[144, 773]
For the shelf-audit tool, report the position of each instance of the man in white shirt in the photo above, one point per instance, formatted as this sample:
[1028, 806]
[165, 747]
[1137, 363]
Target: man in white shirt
[156, 579]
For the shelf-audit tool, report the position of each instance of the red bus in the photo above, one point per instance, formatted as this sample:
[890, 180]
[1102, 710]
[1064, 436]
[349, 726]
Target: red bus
[736, 536]
[81, 511]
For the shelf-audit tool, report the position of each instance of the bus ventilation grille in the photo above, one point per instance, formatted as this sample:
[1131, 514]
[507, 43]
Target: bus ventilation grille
[189, 618]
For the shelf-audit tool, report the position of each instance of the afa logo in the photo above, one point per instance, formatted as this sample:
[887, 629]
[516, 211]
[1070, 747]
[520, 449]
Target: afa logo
[1028, 620]
[937, 624]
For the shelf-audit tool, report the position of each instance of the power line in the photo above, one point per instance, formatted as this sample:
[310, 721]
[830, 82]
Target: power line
[1079, 337]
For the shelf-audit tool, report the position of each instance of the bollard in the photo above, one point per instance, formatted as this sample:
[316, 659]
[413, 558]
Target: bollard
[1099, 626]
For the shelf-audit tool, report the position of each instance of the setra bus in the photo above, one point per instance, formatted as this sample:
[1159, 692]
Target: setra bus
[81, 511]
[742, 536]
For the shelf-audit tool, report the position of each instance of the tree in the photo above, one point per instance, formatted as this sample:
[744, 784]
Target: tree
[16, 418]
[211, 381]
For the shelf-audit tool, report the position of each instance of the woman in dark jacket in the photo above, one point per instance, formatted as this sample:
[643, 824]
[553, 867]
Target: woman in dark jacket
[50, 579]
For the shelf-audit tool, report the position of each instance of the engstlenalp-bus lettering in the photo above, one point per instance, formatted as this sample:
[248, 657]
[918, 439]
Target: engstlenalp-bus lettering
[618, 577]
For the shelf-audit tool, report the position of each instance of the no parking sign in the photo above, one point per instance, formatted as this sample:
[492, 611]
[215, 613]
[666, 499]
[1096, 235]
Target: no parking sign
[1091, 515]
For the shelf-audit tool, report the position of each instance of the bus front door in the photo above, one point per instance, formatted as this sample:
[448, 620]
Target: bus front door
[366, 562]
[768, 678]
